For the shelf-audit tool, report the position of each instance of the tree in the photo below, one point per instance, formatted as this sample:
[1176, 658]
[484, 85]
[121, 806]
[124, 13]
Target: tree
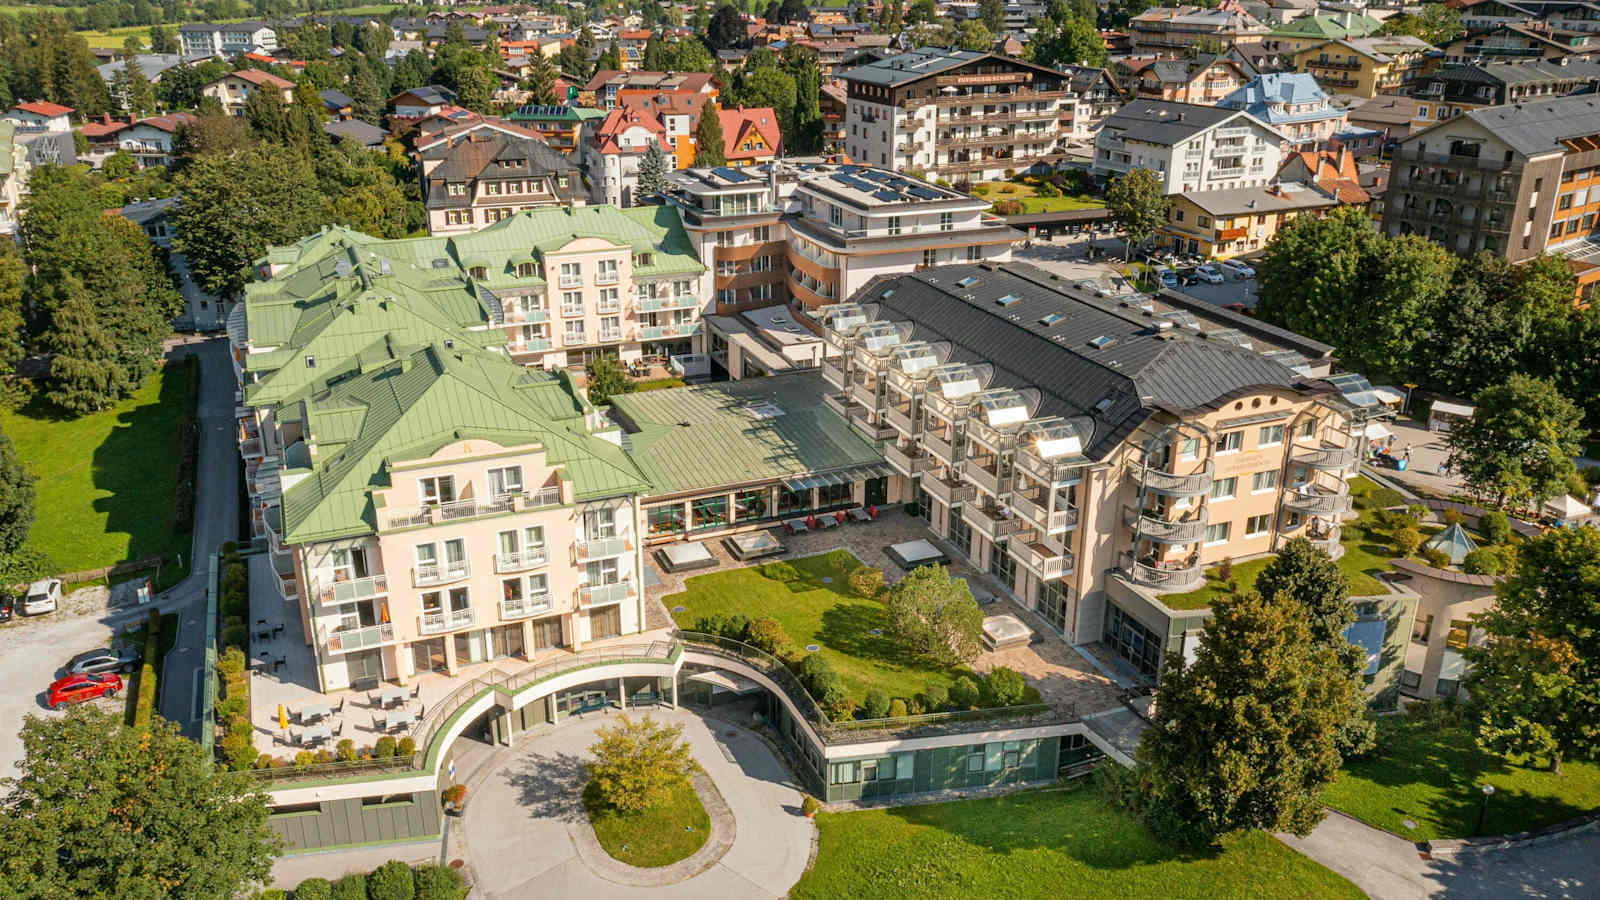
[1535, 682]
[1245, 735]
[611, 59]
[1312, 579]
[163, 40]
[923, 12]
[268, 115]
[101, 809]
[180, 87]
[708, 148]
[1138, 204]
[806, 130]
[1519, 443]
[359, 192]
[368, 94]
[1437, 24]
[305, 117]
[412, 71]
[653, 170]
[993, 15]
[974, 35]
[1065, 39]
[16, 499]
[770, 87]
[474, 86]
[13, 327]
[934, 616]
[216, 134]
[726, 29]
[636, 764]
[607, 378]
[234, 208]
[1495, 318]
[131, 90]
[541, 82]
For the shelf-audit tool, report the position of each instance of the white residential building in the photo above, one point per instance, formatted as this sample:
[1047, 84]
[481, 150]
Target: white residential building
[201, 39]
[1192, 148]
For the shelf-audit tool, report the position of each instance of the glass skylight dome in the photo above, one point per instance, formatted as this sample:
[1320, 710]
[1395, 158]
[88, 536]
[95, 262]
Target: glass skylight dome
[915, 357]
[1002, 407]
[1054, 438]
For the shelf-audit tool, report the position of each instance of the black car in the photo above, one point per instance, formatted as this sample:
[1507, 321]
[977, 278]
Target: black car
[102, 660]
[5, 607]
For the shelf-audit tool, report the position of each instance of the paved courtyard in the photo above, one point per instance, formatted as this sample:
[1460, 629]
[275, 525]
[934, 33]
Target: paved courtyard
[520, 826]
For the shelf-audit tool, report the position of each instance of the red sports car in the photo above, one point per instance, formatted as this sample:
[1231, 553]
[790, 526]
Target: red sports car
[78, 688]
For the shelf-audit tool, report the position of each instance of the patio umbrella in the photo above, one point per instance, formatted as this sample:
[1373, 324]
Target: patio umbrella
[283, 718]
[384, 612]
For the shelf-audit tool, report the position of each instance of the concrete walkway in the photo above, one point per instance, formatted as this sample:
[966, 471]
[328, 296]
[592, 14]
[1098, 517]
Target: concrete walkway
[523, 805]
[1388, 867]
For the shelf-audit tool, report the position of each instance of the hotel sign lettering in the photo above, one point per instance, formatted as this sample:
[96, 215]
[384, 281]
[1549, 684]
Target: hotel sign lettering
[987, 78]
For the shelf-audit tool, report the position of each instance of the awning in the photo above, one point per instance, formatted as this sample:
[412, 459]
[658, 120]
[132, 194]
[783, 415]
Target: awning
[841, 476]
[1566, 507]
[1377, 431]
[1389, 395]
[1452, 409]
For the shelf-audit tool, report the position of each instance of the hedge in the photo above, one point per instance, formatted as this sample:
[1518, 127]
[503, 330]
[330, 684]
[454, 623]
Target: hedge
[238, 735]
[188, 451]
[393, 880]
[350, 887]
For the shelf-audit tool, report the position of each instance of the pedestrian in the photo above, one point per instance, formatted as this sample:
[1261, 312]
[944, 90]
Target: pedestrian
[1408, 453]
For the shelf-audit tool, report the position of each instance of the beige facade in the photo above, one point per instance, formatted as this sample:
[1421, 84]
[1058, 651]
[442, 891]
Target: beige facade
[1443, 628]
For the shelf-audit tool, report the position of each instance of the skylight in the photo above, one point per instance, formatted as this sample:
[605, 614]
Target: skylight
[1102, 342]
[967, 282]
[1049, 319]
[1008, 299]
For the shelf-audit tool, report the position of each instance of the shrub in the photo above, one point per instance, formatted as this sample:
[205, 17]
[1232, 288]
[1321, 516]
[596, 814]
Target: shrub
[350, 887]
[1031, 695]
[778, 570]
[231, 663]
[234, 636]
[1435, 557]
[436, 882]
[270, 894]
[1003, 687]
[322, 756]
[737, 627]
[345, 750]
[809, 805]
[384, 748]
[710, 624]
[1008, 207]
[391, 881]
[304, 758]
[1494, 525]
[866, 581]
[766, 634]
[314, 889]
[144, 703]
[237, 751]
[406, 747]
[455, 794]
[1450, 517]
[1406, 541]
[935, 697]
[964, 693]
[1417, 512]
[1482, 561]
[813, 666]
[1225, 568]
[876, 705]
[898, 710]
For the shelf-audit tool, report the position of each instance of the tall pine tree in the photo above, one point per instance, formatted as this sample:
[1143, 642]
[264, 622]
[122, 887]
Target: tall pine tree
[708, 149]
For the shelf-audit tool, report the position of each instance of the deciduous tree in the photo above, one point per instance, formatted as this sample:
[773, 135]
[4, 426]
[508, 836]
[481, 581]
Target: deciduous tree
[16, 499]
[1519, 443]
[637, 763]
[934, 616]
[726, 29]
[234, 208]
[606, 378]
[1138, 204]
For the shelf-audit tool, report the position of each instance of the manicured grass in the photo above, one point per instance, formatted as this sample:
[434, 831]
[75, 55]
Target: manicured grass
[1043, 844]
[658, 836]
[1029, 197]
[105, 482]
[814, 612]
[1432, 772]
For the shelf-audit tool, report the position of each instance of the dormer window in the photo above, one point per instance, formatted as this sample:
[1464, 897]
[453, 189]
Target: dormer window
[455, 190]
[641, 259]
[478, 272]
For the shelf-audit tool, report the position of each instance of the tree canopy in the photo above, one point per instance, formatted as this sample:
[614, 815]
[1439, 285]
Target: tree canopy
[708, 146]
[1519, 443]
[1138, 204]
[934, 616]
[235, 207]
[636, 763]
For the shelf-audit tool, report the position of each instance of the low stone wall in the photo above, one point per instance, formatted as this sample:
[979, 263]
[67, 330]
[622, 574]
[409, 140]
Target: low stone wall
[1456, 846]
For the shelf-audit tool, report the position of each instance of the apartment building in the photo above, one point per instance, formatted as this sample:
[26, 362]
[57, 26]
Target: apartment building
[1203, 80]
[1516, 180]
[677, 111]
[1094, 453]
[484, 172]
[604, 90]
[1225, 224]
[1567, 15]
[813, 233]
[960, 115]
[1365, 67]
[1310, 31]
[1294, 105]
[1175, 30]
[1098, 96]
[1192, 148]
[559, 126]
[200, 40]
[234, 90]
[1520, 42]
[1453, 90]
[614, 149]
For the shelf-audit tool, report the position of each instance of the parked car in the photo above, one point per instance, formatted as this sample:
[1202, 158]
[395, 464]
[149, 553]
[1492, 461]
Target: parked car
[1237, 269]
[78, 688]
[1166, 276]
[1209, 274]
[43, 597]
[7, 603]
[1187, 276]
[103, 660]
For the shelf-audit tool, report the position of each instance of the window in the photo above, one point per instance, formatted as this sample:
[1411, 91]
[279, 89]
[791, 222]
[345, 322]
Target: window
[1262, 482]
[1230, 442]
[1271, 436]
[1012, 751]
[505, 481]
[930, 257]
[905, 766]
[607, 273]
[894, 224]
[571, 274]
[572, 331]
[527, 270]
[436, 490]
[1218, 533]
[1308, 428]
[946, 221]
[844, 773]
[724, 239]
[1256, 526]
[664, 519]
[571, 303]
[1223, 488]
[974, 253]
[1421, 630]
[478, 272]
[761, 234]
[975, 758]
[1189, 448]
[610, 300]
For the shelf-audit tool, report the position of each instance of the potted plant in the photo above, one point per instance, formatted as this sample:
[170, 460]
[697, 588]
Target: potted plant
[455, 799]
[809, 806]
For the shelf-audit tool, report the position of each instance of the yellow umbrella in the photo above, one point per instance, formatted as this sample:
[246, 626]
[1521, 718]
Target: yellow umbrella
[283, 717]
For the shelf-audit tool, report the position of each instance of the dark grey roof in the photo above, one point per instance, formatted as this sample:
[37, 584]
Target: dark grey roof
[143, 212]
[336, 99]
[1539, 126]
[467, 160]
[49, 147]
[1130, 370]
[362, 133]
[911, 65]
[1535, 72]
[432, 94]
[1165, 122]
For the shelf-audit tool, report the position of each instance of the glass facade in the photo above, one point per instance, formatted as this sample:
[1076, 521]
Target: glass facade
[1132, 641]
[708, 512]
[666, 518]
[1050, 601]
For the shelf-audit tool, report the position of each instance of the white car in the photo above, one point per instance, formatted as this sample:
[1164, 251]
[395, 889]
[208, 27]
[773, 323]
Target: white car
[1209, 274]
[43, 597]
[1237, 269]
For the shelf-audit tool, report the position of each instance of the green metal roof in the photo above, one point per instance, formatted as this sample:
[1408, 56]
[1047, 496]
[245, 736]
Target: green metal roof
[361, 425]
[657, 230]
[737, 432]
[1328, 27]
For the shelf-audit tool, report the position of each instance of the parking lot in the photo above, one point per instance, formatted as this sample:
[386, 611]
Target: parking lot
[1069, 258]
[32, 651]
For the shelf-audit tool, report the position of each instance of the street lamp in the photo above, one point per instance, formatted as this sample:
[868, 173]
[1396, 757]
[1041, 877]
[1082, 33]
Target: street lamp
[1483, 809]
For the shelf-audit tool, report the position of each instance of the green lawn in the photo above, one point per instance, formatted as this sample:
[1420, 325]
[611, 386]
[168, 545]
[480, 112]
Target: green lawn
[814, 612]
[106, 481]
[1028, 196]
[1367, 550]
[1432, 774]
[659, 836]
[1043, 843]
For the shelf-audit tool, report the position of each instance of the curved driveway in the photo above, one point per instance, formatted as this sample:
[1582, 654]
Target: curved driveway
[515, 829]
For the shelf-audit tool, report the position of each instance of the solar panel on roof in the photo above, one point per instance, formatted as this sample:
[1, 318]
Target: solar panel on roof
[728, 174]
[885, 196]
[841, 179]
[924, 193]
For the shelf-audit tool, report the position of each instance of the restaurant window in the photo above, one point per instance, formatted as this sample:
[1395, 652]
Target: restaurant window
[664, 519]
[792, 501]
[1132, 641]
[835, 494]
[750, 504]
[708, 512]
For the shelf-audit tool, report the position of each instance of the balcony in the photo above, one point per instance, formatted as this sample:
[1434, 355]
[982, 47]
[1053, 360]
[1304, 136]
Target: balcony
[571, 312]
[1332, 458]
[520, 562]
[657, 304]
[938, 448]
[458, 510]
[1327, 540]
[832, 373]
[601, 594]
[864, 394]
[525, 607]
[438, 620]
[674, 330]
[532, 345]
[1166, 531]
[1231, 172]
[1165, 577]
[1192, 485]
[526, 316]
[430, 574]
[352, 590]
[987, 479]
[1042, 561]
[837, 404]
[861, 418]
[1317, 502]
[994, 521]
[348, 640]
[603, 278]
[602, 548]
[948, 490]
[572, 281]
[1058, 522]
[609, 336]
[908, 462]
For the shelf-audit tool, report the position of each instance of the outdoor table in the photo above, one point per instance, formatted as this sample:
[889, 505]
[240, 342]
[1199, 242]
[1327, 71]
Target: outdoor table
[316, 735]
[796, 526]
[828, 521]
[394, 721]
[391, 696]
[859, 514]
[314, 712]
[263, 634]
